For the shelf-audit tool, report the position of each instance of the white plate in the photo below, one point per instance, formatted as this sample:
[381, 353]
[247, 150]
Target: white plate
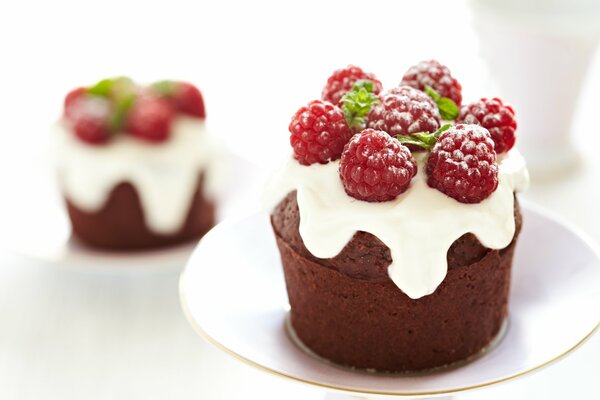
[234, 294]
[35, 223]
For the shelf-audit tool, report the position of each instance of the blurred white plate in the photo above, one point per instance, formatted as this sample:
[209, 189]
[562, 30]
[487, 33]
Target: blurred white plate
[234, 294]
[34, 222]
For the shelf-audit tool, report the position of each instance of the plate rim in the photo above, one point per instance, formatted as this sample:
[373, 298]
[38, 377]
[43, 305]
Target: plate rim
[584, 237]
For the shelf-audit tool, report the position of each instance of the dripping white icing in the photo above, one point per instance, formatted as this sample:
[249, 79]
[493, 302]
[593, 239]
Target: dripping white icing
[418, 226]
[164, 174]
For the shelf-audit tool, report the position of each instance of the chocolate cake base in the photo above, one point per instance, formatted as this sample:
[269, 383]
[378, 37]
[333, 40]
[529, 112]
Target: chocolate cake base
[347, 310]
[120, 224]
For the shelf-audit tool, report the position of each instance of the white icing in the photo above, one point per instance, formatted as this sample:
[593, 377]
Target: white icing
[418, 226]
[165, 174]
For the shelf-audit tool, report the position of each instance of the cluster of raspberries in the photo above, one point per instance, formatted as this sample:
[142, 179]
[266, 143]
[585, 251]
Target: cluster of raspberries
[374, 133]
[116, 105]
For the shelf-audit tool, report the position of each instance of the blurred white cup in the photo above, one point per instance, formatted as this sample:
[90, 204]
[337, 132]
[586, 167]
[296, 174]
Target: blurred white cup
[538, 52]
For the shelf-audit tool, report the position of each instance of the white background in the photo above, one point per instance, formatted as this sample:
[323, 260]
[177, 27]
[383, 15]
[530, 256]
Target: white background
[69, 334]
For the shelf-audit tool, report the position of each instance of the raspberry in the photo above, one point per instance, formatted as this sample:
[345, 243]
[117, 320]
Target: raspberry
[376, 167]
[150, 118]
[462, 164]
[91, 130]
[402, 111]
[497, 118]
[188, 99]
[319, 133]
[183, 96]
[342, 81]
[432, 73]
[90, 116]
[70, 100]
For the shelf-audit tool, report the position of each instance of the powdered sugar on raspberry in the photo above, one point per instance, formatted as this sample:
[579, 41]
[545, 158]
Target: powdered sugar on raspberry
[432, 73]
[496, 117]
[318, 133]
[404, 110]
[375, 167]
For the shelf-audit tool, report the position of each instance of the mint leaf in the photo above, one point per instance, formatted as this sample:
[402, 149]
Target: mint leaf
[448, 109]
[115, 88]
[429, 91]
[118, 118]
[410, 139]
[443, 128]
[122, 88]
[165, 88]
[121, 92]
[364, 84]
[426, 140]
[101, 88]
[357, 103]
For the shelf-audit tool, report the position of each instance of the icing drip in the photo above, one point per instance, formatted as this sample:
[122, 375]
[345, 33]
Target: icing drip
[419, 226]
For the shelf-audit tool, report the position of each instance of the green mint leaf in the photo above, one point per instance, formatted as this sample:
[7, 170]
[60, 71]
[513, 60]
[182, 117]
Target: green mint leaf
[448, 109]
[122, 88]
[426, 140]
[351, 119]
[442, 129]
[415, 140]
[364, 84]
[165, 88]
[357, 103]
[118, 118]
[429, 91]
[115, 88]
[102, 88]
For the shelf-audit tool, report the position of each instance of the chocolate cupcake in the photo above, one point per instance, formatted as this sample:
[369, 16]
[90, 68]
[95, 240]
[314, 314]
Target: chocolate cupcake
[136, 164]
[397, 250]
